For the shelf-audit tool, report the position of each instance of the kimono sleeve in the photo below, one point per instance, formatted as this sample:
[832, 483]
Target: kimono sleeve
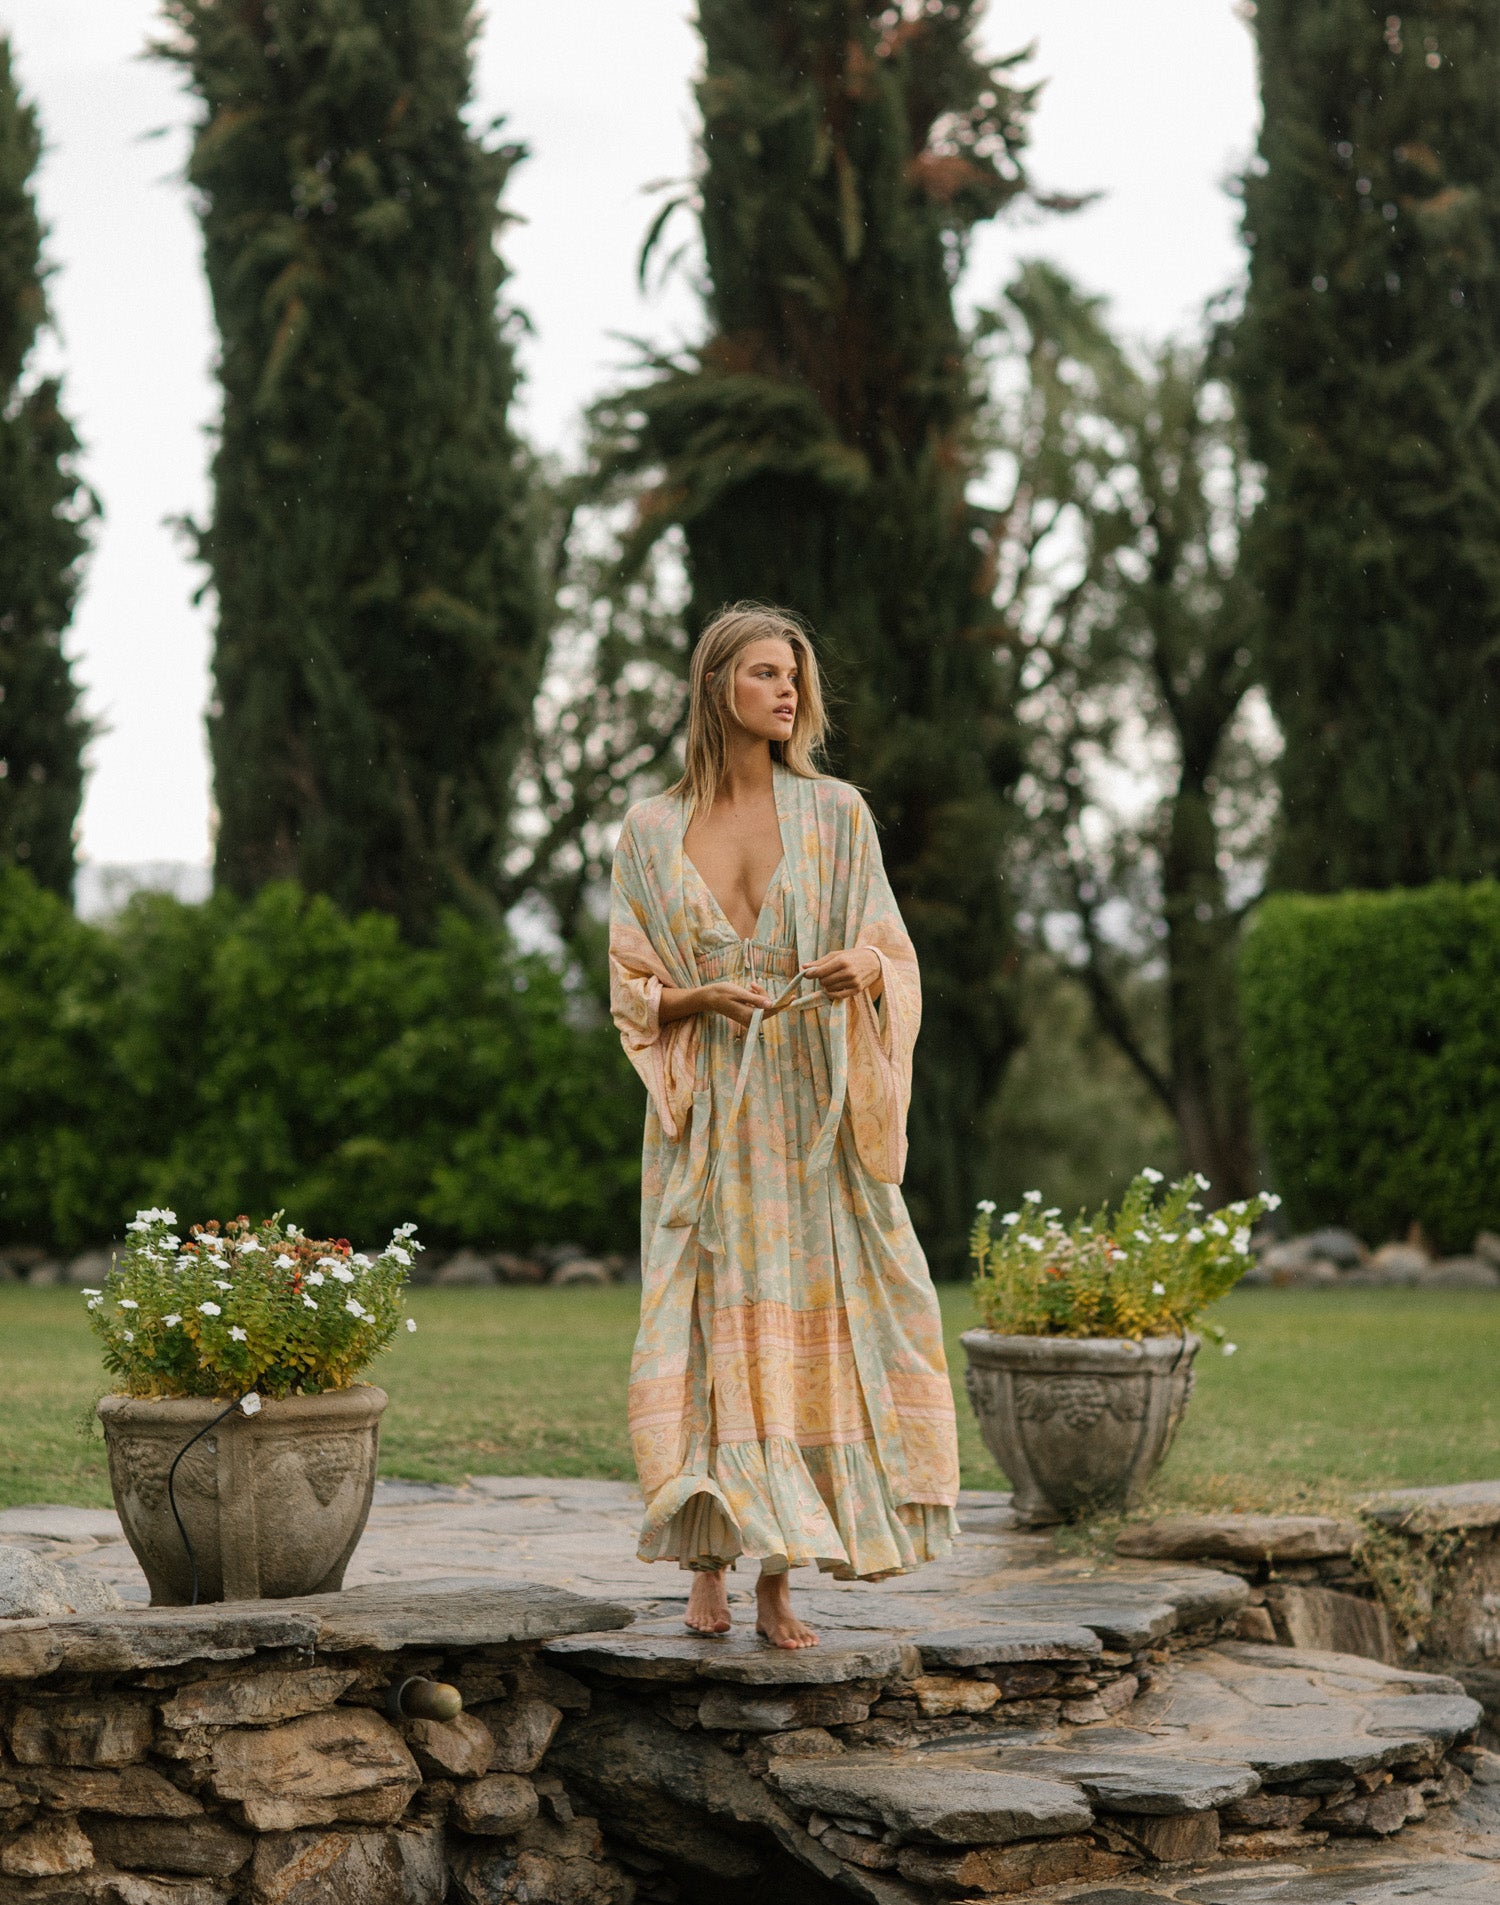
[881, 1038]
[664, 1056]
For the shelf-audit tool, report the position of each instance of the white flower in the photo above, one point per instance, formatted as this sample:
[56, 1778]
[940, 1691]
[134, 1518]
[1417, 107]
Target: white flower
[1011, 1217]
[237, 1335]
[1169, 1236]
[1192, 1204]
[129, 1303]
[316, 1277]
[88, 1292]
[308, 1303]
[404, 1230]
[361, 1259]
[130, 1336]
[94, 1302]
[355, 1307]
[144, 1219]
[1158, 1289]
[209, 1309]
[1239, 1243]
[1218, 1227]
[1229, 1349]
[247, 1245]
[341, 1275]
[987, 1205]
[1239, 1208]
[283, 1262]
[250, 1404]
[1270, 1200]
[1032, 1197]
[1141, 1236]
[218, 1285]
[1200, 1180]
[1195, 1236]
[1054, 1212]
[1151, 1177]
[173, 1320]
[1034, 1243]
[329, 1263]
[401, 1256]
[411, 1322]
[292, 1231]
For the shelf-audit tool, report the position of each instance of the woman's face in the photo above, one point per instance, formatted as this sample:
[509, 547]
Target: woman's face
[765, 688]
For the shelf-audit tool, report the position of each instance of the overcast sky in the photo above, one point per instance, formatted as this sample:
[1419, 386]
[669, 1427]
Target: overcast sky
[1152, 103]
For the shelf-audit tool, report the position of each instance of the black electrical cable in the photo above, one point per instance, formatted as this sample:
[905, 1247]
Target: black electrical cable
[172, 1492]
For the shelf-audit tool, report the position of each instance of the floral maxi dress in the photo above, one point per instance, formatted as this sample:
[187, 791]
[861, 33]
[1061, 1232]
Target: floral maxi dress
[789, 1397]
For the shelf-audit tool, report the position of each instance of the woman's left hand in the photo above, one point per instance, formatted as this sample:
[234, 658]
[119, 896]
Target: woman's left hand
[843, 974]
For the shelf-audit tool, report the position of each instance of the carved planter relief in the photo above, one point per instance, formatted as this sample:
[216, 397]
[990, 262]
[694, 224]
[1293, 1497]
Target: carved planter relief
[273, 1503]
[1078, 1424]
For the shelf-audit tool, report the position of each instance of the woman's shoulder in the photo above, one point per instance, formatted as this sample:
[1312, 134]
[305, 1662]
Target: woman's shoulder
[842, 798]
[652, 818]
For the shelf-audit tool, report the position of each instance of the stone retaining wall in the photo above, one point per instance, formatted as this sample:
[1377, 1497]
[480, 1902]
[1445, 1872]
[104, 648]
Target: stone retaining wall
[1077, 1729]
[247, 1753]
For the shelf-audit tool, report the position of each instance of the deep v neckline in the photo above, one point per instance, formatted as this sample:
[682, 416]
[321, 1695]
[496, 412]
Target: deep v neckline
[718, 904]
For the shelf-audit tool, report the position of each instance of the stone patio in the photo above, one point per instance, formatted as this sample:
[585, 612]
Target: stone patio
[1102, 1695]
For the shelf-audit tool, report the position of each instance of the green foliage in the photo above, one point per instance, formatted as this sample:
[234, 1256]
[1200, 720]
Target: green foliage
[1148, 1269]
[245, 1307]
[1374, 1032]
[1073, 1115]
[44, 510]
[279, 1055]
[372, 542]
[1367, 362]
[816, 450]
[1132, 609]
[60, 1164]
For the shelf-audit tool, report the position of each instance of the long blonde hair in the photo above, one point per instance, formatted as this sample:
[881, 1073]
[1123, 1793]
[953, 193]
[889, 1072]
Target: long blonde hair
[711, 699]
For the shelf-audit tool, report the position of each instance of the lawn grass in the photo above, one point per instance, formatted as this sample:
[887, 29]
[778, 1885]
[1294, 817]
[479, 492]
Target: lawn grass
[1331, 1393]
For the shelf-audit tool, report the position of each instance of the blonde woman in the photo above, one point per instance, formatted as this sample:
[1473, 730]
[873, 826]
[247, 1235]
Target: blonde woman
[789, 1399]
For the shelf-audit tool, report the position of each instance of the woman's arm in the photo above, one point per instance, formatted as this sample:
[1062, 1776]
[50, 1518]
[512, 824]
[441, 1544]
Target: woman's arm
[734, 1002]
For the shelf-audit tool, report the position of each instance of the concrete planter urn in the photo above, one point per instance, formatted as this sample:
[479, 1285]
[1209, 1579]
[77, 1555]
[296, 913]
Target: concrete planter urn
[273, 1503]
[1079, 1424]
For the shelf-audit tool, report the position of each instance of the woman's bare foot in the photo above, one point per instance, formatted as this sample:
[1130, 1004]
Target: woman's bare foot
[708, 1603]
[774, 1619]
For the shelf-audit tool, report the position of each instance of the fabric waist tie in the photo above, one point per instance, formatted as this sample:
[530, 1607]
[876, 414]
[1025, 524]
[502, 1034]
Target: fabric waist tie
[709, 1231]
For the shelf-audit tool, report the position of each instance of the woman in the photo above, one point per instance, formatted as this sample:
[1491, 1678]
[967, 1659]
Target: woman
[789, 1399]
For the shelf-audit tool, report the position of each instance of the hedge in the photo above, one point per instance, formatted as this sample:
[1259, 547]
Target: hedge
[1373, 1024]
[232, 1057]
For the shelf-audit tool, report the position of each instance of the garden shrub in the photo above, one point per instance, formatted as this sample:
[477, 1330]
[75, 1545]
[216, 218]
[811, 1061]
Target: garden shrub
[278, 1054]
[58, 1155]
[1373, 1025]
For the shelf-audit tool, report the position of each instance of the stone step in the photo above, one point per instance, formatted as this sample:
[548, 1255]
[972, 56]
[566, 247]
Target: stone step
[1233, 1751]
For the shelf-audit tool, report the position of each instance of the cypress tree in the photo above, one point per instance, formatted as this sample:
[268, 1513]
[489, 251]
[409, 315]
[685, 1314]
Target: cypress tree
[370, 545]
[1367, 364]
[44, 508]
[816, 450]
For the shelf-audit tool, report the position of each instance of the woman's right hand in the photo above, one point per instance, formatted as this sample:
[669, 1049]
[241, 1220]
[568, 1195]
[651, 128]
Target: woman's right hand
[736, 1003]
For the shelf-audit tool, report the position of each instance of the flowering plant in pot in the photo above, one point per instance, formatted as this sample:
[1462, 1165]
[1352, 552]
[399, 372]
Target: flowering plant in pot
[1084, 1364]
[242, 1448]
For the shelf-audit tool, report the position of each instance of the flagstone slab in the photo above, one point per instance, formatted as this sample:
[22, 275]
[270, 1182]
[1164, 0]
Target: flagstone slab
[959, 1805]
[663, 1652]
[1148, 1779]
[1247, 1538]
[1433, 1510]
[948, 1648]
[1441, 1717]
[443, 1613]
